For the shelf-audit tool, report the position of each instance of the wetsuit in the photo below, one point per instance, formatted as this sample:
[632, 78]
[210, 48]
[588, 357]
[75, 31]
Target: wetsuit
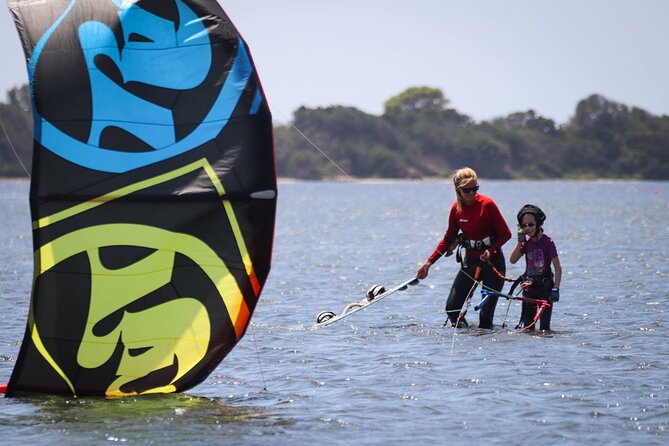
[538, 257]
[480, 222]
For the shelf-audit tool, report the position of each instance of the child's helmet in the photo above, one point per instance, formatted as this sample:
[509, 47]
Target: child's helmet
[534, 210]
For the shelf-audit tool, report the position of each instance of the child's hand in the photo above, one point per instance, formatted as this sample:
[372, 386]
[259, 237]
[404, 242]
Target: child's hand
[555, 294]
[521, 235]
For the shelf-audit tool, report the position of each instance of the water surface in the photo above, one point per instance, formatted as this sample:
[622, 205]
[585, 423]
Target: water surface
[392, 373]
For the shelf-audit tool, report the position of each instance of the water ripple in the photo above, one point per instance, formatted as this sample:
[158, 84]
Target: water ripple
[393, 374]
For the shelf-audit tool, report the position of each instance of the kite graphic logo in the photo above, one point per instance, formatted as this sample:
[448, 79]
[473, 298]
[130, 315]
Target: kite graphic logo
[123, 308]
[157, 299]
[139, 73]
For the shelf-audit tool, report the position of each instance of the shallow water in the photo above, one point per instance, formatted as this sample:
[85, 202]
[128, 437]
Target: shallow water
[392, 373]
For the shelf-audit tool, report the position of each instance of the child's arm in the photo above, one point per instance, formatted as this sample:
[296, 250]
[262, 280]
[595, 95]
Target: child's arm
[558, 271]
[516, 254]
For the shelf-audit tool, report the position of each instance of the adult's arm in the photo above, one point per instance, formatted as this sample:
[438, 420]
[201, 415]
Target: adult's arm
[448, 239]
[503, 234]
[443, 245]
[517, 253]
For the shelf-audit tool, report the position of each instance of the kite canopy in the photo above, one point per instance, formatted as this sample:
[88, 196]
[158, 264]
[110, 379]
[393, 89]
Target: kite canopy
[153, 194]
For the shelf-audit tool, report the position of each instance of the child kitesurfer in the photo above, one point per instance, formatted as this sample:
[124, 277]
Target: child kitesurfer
[484, 231]
[540, 253]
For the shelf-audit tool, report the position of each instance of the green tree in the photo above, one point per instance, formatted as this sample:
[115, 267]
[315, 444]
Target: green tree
[417, 99]
[482, 149]
[534, 144]
[361, 144]
[420, 114]
[607, 139]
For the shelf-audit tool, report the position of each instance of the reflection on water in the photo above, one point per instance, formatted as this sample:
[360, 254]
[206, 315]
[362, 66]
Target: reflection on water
[179, 418]
[392, 373]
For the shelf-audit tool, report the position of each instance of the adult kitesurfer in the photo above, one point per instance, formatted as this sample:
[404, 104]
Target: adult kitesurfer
[540, 253]
[483, 232]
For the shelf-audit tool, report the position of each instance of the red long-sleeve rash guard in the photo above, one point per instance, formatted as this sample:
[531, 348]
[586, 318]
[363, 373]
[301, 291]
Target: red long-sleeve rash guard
[476, 222]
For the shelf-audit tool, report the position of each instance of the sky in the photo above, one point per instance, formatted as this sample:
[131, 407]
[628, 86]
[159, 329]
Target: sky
[489, 57]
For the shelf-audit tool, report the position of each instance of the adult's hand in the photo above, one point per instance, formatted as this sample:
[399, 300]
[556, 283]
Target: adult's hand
[485, 256]
[422, 271]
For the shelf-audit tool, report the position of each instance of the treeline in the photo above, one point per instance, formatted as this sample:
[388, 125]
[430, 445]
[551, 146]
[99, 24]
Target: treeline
[419, 135]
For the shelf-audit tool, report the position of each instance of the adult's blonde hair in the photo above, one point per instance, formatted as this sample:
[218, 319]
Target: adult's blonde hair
[460, 178]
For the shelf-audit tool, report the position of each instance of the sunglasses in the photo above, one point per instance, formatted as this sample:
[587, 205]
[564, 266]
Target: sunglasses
[468, 190]
[525, 225]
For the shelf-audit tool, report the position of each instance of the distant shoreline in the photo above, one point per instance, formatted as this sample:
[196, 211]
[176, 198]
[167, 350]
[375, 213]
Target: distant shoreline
[448, 180]
[288, 180]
